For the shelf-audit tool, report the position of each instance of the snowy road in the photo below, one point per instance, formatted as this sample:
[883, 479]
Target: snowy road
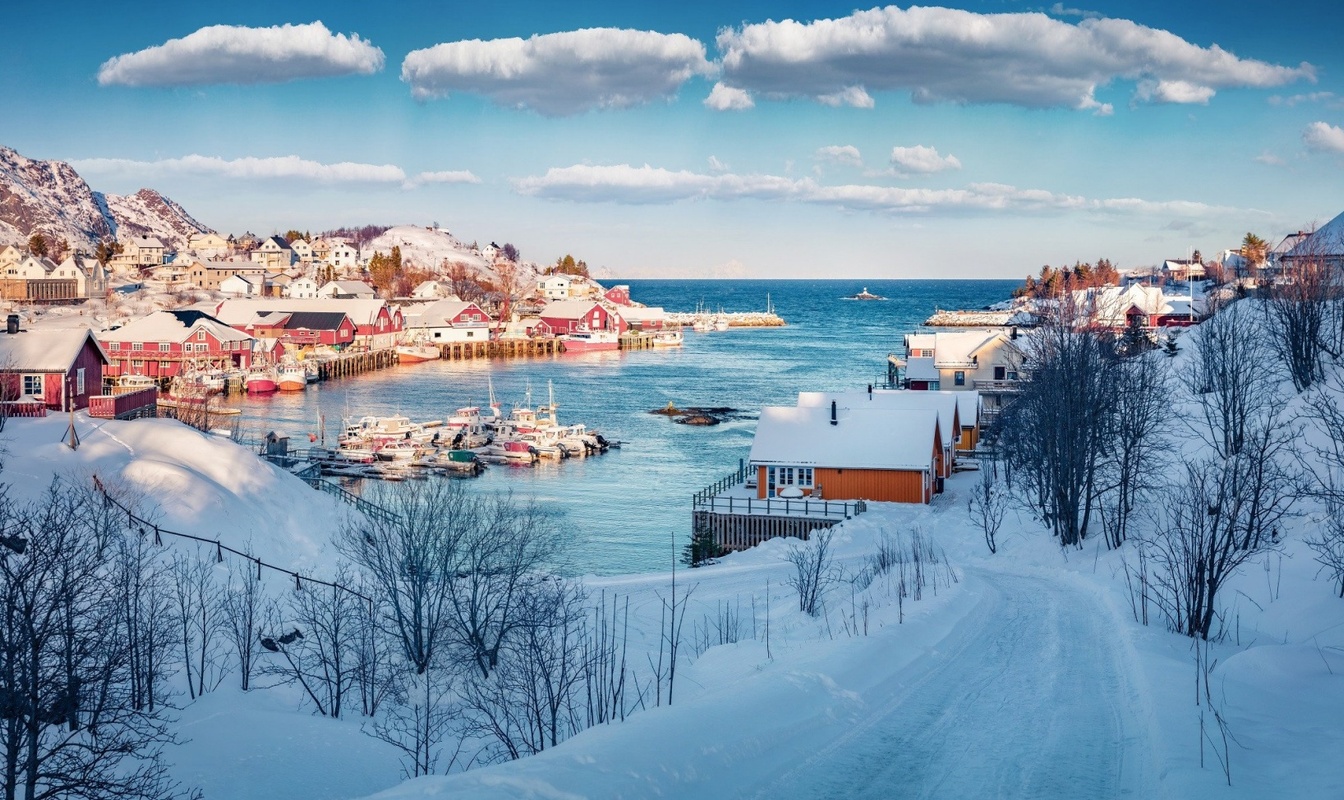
[1026, 698]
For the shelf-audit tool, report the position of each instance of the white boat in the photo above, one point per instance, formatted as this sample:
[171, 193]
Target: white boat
[702, 324]
[668, 337]
[720, 323]
[417, 352]
[512, 450]
[311, 370]
[404, 450]
[261, 379]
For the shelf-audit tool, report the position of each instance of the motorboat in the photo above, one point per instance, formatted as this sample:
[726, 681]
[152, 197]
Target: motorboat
[417, 352]
[865, 295]
[583, 339]
[291, 377]
[668, 337]
[261, 379]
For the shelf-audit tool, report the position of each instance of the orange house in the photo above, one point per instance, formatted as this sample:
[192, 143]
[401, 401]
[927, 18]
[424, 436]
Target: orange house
[834, 453]
[946, 404]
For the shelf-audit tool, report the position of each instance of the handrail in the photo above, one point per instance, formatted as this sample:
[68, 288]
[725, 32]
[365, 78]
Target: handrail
[803, 506]
[737, 476]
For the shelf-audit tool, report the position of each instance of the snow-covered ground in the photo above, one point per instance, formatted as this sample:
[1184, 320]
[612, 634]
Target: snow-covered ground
[1023, 674]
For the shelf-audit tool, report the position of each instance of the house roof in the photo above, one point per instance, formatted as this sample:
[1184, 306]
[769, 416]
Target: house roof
[921, 369]
[172, 326]
[642, 313]
[316, 320]
[48, 350]
[1328, 240]
[569, 309]
[440, 314]
[879, 438]
[952, 349]
[944, 404]
[357, 288]
[237, 312]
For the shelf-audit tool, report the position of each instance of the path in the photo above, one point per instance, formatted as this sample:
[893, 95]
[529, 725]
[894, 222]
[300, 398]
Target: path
[1026, 698]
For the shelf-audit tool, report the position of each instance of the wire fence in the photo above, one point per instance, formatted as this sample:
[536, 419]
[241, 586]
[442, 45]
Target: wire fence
[144, 526]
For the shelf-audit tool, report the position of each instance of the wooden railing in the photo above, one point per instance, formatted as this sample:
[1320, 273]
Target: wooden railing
[123, 406]
[781, 506]
[738, 476]
[28, 408]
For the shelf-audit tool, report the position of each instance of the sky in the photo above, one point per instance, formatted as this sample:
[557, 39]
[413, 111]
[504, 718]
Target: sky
[707, 139]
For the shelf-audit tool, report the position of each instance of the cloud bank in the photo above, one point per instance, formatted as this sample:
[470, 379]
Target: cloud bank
[558, 74]
[281, 168]
[234, 54]
[949, 55]
[623, 183]
[1324, 137]
[921, 160]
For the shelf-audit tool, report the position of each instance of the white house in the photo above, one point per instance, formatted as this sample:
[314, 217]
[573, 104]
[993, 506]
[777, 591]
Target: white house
[90, 277]
[208, 245]
[274, 252]
[342, 255]
[554, 287]
[302, 251]
[347, 289]
[451, 321]
[429, 290]
[239, 286]
[10, 255]
[141, 251]
[302, 288]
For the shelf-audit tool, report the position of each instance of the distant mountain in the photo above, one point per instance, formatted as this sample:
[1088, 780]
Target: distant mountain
[49, 197]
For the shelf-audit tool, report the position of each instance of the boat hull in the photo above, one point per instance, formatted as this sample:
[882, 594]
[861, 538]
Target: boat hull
[292, 384]
[589, 345]
[261, 385]
[417, 355]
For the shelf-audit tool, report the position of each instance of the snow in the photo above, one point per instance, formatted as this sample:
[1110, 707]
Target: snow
[1028, 676]
[877, 438]
[46, 350]
[945, 403]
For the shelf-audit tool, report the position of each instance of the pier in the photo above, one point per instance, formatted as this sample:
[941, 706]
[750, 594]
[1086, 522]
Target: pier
[347, 364]
[499, 348]
[737, 519]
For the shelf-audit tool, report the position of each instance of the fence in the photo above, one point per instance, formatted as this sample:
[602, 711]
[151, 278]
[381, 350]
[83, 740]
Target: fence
[782, 507]
[23, 409]
[144, 527]
[125, 405]
[727, 482]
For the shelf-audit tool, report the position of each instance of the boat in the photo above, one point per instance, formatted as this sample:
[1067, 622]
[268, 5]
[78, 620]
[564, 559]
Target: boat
[511, 450]
[720, 322]
[312, 371]
[417, 352]
[405, 450]
[865, 295]
[668, 337]
[458, 461]
[702, 325]
[135, 383]
[261, 379]
[583, 339]
[291, 377]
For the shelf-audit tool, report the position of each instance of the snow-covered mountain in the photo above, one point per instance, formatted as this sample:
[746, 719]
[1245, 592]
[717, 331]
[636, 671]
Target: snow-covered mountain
[428, 249]
[51, 198]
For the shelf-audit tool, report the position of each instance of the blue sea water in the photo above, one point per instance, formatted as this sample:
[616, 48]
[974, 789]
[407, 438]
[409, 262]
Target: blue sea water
[623, 510]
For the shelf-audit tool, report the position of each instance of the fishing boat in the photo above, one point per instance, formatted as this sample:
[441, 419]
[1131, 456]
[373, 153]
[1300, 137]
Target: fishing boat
[261, 379]
[458, 461]
[583, 339]
[134, 383]
[312, 370]
[290, 377]
[720, 321]
[511, 450]
[404, 450]
[865, 295]
[416, 352]
[668, 337]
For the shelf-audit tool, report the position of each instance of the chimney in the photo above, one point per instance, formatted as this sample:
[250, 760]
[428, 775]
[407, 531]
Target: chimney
[12, 323]
[1013, 335]
[870, 391]
[834, 421]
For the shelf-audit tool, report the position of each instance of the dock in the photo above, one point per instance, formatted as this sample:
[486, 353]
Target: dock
[738, 520]
[500, 348]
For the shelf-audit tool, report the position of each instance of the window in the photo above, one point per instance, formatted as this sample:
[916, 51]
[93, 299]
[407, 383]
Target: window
[137, 345]
[137, 364]
[959, 378]
[165, 347]
[79, 381]
[163, 365]
[200, 336]
[114, 345]
[1012, 375]
[32, 385]
[1000, 373]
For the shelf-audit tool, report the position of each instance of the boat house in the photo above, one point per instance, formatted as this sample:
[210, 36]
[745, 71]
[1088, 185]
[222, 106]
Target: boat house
[49, 369]
[162, 344]
[562, 317]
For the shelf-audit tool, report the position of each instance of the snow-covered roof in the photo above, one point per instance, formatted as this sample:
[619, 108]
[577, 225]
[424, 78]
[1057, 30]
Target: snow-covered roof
[568, 309]
[46, 350]
[173, 326]
[952, 349]
[355, 288]
[879, 438]
[921, 369]
[642, 313]
[441, 314]
[943, 403]
[919, 341]
[236, 312]
[1328, 240]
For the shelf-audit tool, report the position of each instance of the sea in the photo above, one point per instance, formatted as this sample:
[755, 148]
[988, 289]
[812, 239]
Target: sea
[629, 510]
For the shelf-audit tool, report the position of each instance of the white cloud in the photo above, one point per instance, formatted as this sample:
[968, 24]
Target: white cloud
[852, 96]
[1173, 92]
[1328, 99]
[1269, 158]
[444, 177]
[235, 54]
[557, 74]
[846, 154]
[1059, 10]
[922, 160]
[716, 165]
[949, 55]
[1323, 137]
[278, 168]
[623, 183]
[726, 98]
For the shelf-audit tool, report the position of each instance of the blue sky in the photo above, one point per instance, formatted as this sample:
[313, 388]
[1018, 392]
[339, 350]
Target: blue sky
[703, 139]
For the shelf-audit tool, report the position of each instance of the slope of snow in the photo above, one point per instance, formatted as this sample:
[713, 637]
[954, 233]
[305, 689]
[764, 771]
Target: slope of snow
[149, 213]
[428, 249]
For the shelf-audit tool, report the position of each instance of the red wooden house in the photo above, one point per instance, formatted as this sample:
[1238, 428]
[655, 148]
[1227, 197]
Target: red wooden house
[54, 368]
[303, 328]
[376, 324]
[568, 316]
[160, 344]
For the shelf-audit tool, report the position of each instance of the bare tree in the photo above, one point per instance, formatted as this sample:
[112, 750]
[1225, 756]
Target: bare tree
[322, 657]
[987, 503]
[1133, 456]
[1055, 431]
[247, 612]
[813, 570]
[1231, 376]
[1201, 542]
[1299, 315]
[197, 616]
[69, 723]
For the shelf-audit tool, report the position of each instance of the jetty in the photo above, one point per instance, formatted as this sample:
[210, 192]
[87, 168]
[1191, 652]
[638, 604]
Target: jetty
[736, 319]
[982, 318]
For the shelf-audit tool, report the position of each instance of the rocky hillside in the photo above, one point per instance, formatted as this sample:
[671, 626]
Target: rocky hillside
[49, 197]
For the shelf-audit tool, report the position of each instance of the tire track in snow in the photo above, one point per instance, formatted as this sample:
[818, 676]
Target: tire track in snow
[1025, 699]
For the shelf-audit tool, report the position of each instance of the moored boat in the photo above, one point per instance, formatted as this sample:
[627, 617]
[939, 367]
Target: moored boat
[290, 377]
[585, 339]
[261, 379]
[416, 352]
[668, 337]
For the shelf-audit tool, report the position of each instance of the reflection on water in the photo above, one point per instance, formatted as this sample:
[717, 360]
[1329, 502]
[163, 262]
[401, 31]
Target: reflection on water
[621, 508]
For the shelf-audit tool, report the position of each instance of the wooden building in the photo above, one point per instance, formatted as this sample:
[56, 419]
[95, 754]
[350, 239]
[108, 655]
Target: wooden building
[945, 404]
[833, 453]
[562, 317]
[57, 368]
[162, 344]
